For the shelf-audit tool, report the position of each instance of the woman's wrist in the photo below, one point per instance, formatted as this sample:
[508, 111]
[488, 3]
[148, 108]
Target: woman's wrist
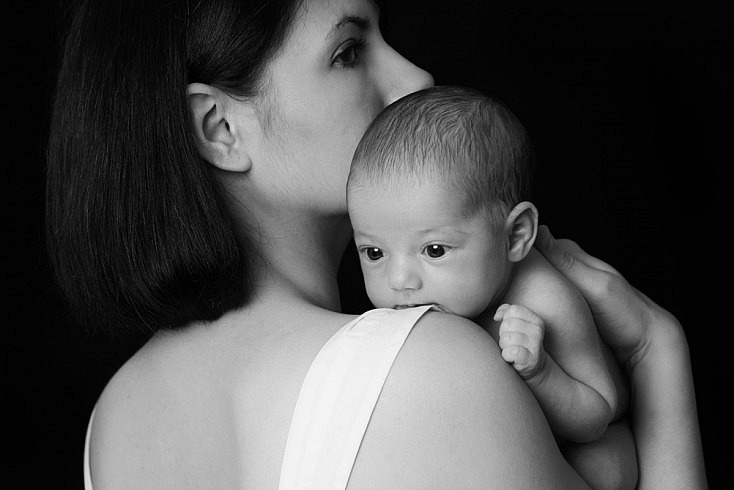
[664, 415]
[663, 341]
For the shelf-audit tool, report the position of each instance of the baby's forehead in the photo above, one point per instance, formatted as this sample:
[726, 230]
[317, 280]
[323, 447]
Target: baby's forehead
[404, 190]
[407, 202]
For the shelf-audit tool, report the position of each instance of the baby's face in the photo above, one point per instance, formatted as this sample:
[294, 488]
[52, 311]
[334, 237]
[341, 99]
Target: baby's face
[416, 248]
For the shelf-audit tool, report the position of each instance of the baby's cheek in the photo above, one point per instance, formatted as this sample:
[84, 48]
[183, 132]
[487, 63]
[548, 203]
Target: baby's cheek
[472, 294]
[376, 292]
[471, 304]
[380, 300]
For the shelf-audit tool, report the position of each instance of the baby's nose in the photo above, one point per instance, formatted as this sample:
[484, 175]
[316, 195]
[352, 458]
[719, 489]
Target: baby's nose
[404, 277]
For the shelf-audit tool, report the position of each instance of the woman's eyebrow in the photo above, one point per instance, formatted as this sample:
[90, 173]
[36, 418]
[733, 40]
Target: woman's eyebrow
[362, 23]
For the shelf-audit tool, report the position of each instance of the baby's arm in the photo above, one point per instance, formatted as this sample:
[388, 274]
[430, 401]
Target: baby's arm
[553, 344]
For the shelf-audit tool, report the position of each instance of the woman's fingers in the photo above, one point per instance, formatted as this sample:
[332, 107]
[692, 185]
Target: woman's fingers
[619, 309]
[570, 259]
[565, 250]
[599, 282]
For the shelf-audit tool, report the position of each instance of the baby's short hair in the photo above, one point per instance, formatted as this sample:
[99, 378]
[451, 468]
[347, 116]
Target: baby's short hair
[455, 136]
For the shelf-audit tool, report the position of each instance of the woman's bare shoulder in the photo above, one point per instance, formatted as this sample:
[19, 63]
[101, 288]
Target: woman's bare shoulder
[452, 414]
[121, 416]
[132, 438]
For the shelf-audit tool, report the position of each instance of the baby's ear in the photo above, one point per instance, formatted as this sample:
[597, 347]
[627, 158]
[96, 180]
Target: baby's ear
[522, 228]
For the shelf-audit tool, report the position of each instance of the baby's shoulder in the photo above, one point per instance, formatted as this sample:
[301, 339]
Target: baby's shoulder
[537, 285]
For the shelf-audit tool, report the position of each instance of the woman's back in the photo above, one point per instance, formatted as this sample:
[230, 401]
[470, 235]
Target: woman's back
[211, 406]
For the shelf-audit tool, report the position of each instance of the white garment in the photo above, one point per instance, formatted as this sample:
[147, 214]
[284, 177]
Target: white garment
[338, 396]
[87, 472]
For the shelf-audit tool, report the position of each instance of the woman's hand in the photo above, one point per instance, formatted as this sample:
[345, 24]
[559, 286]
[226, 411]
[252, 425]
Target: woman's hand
[651, 344]
[627, 319]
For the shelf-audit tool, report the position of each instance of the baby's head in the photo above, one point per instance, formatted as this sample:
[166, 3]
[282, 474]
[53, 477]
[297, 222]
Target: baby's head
[437, 195]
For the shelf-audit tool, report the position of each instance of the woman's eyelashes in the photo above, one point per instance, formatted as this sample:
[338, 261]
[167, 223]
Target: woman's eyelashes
[349, 54]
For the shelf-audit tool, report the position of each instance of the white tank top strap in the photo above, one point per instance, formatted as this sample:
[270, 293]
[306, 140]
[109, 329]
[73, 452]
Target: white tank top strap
[338, 396]
[87, 470]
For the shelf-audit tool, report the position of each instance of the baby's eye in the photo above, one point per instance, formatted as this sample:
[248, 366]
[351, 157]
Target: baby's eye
[435, 251]
[373, 254]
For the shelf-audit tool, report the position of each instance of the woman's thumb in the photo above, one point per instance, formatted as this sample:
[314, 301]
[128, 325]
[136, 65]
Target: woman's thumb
[565, 255]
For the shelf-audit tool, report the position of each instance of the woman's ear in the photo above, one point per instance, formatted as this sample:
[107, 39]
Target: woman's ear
[522, 228]
[221, 140]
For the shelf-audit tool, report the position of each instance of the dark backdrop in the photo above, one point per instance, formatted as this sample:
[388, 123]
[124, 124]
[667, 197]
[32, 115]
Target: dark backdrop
[630, 109]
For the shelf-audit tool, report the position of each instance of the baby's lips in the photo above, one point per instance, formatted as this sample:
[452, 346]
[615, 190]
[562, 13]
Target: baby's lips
[437, 306]
[442, 308]
[403, 307]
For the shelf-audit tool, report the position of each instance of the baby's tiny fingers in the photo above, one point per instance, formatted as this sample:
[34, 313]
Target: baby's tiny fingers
[534, 332]
[521, 313]
[518, 355]
[512, 337]
[500, 313]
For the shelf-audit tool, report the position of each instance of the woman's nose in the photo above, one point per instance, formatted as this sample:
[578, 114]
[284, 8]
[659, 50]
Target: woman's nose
[402, 276]
[403, 77]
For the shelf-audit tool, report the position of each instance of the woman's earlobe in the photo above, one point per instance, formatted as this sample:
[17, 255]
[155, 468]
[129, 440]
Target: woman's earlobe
[216, 139]
[522, 227]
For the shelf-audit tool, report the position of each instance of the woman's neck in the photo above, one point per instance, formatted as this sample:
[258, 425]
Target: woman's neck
[300, 258]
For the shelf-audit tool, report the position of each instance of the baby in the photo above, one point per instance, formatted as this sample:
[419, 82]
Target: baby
[438, 198]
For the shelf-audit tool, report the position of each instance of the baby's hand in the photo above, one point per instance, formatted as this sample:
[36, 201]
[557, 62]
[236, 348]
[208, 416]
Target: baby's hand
[521, 339]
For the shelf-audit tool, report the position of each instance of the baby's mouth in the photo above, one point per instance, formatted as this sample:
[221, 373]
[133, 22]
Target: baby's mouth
[402, 307]
[414, 305]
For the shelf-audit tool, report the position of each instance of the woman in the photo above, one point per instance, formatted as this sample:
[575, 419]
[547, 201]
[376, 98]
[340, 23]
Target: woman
[197, 165]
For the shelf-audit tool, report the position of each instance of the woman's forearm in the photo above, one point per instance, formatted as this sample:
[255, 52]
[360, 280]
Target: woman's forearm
[664, 417]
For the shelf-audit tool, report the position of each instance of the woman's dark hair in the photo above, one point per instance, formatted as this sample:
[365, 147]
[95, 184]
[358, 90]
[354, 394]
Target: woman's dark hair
[138, 230]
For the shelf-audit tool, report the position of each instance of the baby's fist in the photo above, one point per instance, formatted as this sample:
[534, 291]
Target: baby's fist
[521, 339]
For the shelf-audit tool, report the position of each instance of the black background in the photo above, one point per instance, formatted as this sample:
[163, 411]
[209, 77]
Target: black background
[630, 109]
